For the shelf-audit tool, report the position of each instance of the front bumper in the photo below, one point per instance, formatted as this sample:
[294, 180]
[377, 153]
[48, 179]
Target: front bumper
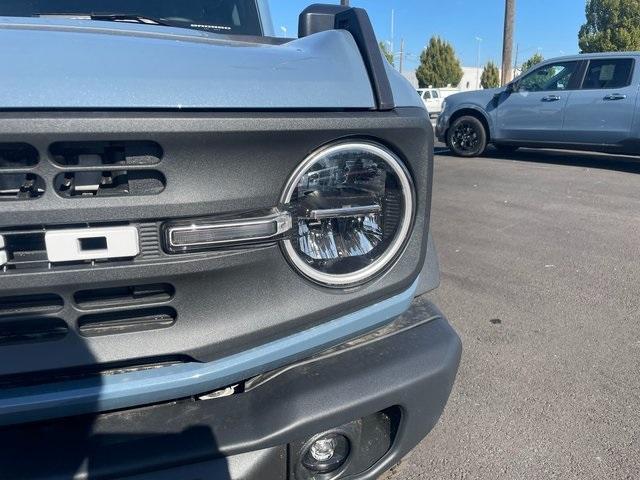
[408, 366]
[442, 126]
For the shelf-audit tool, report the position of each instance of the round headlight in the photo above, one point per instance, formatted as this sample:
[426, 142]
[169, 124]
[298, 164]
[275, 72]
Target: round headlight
[352, 206]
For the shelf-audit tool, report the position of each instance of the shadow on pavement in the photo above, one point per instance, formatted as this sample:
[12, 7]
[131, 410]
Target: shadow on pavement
[621, 163]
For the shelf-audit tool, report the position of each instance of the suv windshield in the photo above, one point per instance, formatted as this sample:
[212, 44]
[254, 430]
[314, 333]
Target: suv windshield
[220, 16]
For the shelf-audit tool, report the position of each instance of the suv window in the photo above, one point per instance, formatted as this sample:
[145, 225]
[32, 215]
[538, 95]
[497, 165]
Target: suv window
[435, 94]
[427, 95]
[219, 16]
[610, 73]
[552, 77]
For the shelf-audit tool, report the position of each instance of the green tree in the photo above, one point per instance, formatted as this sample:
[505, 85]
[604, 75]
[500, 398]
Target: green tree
[490, 76]
[386, 52]
[535, 59]
[439, 65]
[611, 26]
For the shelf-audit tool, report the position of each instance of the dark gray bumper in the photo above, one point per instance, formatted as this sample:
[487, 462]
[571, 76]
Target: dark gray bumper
[441, 127]
[410, 365]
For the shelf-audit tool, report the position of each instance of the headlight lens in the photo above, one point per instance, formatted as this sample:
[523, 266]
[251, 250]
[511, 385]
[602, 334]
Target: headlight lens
[352, 206]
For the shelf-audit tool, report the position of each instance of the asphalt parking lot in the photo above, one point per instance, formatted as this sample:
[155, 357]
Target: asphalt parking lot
[540, 261]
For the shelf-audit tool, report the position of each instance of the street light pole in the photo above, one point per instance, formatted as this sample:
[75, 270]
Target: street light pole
[393, 23]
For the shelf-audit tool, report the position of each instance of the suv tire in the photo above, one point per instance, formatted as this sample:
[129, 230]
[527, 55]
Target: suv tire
[467, 137]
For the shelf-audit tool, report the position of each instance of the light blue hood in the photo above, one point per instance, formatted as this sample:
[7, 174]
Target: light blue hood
[480, 98]
[84, 64]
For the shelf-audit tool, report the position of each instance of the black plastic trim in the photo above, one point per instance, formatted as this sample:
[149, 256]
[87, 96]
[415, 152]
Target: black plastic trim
[412, 368]
[318, 17]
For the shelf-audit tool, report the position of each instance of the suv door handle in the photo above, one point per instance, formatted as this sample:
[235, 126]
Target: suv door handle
[615, 96]
[551, 98]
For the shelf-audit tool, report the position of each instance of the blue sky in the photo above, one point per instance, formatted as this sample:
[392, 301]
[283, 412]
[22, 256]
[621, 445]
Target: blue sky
[548, 25]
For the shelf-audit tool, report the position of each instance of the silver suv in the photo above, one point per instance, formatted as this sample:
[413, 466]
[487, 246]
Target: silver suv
[584, 102]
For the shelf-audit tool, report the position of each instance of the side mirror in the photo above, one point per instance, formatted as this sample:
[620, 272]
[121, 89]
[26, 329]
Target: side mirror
[511, 87]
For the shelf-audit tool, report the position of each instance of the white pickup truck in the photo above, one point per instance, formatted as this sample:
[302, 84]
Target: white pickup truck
[432, 99]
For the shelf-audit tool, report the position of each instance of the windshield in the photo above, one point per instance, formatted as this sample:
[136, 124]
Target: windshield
[220, 16]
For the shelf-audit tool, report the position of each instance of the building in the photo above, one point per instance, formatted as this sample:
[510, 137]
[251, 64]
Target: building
[470, 79]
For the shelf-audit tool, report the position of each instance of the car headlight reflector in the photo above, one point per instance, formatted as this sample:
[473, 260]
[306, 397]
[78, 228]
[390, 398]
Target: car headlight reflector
[352, 207]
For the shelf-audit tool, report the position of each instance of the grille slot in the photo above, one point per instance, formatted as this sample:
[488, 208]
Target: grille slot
[31, 330]
[30, 305]
[123, 296]
[17, 155]
[26, 250]
[126, 321]
[109, 183]
[121, 153]
[20, 186]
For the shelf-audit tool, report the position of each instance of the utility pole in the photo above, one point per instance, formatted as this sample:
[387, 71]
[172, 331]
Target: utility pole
[507, 41]
[401, 53]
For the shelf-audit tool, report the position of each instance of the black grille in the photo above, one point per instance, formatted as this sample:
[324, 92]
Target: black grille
[90, 169]
[43, 317]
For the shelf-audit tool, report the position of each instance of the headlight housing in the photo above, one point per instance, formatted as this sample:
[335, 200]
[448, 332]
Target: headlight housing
[352, 207]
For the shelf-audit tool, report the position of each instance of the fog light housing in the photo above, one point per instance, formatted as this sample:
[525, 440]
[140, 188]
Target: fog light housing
[327, 453]
[352, 207]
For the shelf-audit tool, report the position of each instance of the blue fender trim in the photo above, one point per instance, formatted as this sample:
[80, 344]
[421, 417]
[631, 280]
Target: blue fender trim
[112, 392]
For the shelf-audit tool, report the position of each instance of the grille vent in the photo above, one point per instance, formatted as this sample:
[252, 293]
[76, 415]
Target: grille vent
[32, 330]
[109, 183]
[17, 156]
[23, 319]
[30, 305]
[20, 186]
[90, 154]
[126, 321]
[123, 296]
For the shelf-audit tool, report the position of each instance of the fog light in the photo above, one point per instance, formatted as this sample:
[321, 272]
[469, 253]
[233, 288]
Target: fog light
[326, 453]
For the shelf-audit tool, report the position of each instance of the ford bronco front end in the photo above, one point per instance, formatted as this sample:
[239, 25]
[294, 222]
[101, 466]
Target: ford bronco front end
[210, 244]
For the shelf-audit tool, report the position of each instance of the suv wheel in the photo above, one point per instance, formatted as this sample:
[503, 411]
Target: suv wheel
[467, 137]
